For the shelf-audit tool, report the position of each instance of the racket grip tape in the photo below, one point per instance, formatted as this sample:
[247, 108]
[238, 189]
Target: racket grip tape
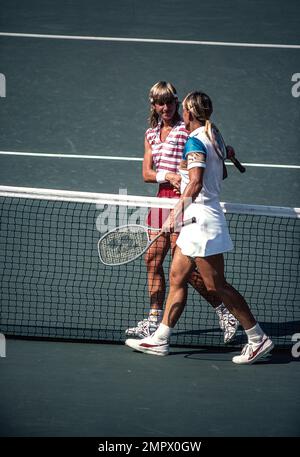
[192, 220]
[238, 164]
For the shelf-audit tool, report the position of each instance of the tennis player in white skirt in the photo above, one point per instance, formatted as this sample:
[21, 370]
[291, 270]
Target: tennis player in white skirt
[203, 242]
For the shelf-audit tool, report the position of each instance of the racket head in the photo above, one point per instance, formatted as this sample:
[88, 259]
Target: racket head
[216, 139]
[123, 244]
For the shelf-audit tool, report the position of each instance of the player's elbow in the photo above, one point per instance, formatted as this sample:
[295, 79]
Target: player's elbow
[146, 177]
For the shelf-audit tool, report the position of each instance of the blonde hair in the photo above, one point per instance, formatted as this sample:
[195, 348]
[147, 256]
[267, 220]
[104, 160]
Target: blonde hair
[162, 92]
[199, 105]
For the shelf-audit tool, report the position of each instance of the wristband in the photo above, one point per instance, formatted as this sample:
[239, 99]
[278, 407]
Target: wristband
[161, 176]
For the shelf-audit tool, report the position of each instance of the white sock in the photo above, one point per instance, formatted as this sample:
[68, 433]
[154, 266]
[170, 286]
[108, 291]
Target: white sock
[255, 334]
[163, 332]
[155, 315]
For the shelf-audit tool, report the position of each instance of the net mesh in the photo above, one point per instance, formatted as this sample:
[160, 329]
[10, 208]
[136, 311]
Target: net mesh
[54, 286]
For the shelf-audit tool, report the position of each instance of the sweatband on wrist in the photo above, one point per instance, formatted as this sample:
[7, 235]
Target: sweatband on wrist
[161, 176]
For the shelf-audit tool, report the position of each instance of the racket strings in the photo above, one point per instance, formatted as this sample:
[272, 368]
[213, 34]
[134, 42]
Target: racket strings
[121, 246]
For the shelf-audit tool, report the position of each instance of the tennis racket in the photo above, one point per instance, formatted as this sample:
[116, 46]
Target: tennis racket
[214, 135]
[127, 243]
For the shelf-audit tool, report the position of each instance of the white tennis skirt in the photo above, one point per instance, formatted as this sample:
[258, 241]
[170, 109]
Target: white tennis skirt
[209, 235]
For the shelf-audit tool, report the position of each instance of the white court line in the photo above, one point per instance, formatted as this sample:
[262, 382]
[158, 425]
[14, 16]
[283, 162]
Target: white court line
[150, 40]
[69, 156]
[128, 159]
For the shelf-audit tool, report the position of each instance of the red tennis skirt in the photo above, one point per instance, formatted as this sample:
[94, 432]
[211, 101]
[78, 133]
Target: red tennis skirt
[157, 216]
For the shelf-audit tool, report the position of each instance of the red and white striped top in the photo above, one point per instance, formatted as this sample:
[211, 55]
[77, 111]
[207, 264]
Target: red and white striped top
[168, 154]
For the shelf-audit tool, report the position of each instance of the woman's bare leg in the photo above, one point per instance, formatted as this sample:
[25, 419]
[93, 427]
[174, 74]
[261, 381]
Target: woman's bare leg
[212, 272]
[179, 274]
[154, 259]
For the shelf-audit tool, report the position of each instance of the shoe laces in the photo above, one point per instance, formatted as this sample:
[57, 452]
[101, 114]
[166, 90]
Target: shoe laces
[247, 348]
[141, 324]
[227, 317]
[146, 323]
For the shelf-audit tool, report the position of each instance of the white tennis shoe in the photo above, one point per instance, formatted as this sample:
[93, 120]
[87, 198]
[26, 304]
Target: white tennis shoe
[252, 352]
[149, 345]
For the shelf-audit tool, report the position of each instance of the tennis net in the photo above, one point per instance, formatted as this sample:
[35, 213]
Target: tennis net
[54, 286]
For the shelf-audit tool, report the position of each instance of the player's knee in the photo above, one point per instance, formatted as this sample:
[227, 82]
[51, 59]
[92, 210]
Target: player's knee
[152, 260]
[215, 288]
[175, 277]
[211, 289]
[218, 289]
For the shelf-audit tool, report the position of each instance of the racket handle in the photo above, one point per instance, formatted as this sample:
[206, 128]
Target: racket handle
[179, 225]
[192, 220]
[237, 164]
